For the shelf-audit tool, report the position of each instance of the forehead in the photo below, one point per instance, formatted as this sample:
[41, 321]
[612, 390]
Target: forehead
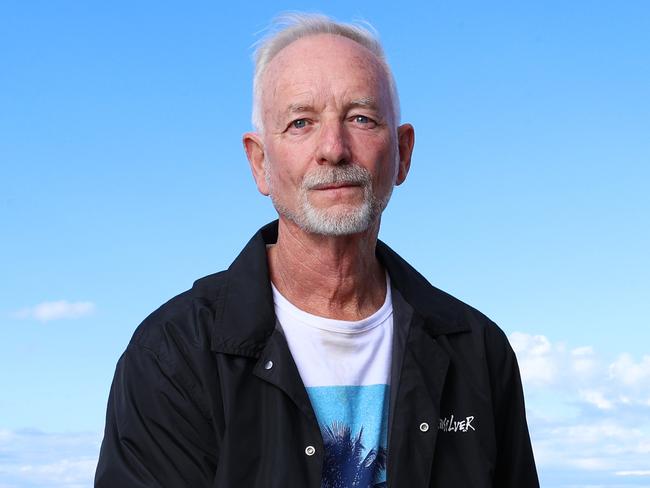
[323, 65]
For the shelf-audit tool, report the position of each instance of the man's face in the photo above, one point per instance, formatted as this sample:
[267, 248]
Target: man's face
[330, 145]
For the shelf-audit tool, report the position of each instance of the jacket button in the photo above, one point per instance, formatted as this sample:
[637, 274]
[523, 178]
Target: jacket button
[310, 450]
[424, 427]
[268, 365]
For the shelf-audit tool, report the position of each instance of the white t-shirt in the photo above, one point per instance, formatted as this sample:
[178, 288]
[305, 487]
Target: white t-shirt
[345, 367]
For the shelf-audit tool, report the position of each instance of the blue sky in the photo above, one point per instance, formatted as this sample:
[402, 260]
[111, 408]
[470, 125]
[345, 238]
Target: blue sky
[122, 180]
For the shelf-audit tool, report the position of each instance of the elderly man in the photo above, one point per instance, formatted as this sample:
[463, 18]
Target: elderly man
[319, 358]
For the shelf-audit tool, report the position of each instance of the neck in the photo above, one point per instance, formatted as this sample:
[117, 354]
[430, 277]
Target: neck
[331, 276]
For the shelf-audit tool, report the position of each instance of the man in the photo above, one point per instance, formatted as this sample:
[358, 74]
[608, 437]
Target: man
[319, 358]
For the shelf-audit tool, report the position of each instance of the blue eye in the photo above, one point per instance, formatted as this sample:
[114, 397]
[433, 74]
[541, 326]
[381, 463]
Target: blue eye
[299, 124]
[363, 121]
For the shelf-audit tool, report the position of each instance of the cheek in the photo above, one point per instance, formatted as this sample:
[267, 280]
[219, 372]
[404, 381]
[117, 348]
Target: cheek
[370, 144]
[288, 163]
[279, 174]
[377, 154]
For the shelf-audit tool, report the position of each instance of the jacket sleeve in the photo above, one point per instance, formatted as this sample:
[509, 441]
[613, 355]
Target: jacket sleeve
[157, 434]
[515, 465]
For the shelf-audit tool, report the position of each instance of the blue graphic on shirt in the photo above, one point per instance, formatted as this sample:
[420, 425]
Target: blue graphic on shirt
[354, 425]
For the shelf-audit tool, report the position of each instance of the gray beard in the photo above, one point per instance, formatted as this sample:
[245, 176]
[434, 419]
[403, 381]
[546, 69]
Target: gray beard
[332, 221]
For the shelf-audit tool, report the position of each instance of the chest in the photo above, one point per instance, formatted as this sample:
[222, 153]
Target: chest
[441, 430]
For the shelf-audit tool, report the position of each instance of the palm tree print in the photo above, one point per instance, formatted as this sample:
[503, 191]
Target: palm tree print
[344, 465]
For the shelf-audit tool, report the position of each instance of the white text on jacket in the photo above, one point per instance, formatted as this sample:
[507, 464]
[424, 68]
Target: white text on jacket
[451, 425]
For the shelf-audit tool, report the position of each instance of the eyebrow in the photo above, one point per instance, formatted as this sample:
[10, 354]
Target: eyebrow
[369, 103]
[299, 108]
[364, 102]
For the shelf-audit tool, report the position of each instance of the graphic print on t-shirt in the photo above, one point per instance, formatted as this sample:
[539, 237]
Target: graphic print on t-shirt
[353, 422]
[345, 367]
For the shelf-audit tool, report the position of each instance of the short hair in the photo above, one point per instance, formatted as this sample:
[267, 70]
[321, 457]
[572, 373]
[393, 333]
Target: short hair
[290, 27]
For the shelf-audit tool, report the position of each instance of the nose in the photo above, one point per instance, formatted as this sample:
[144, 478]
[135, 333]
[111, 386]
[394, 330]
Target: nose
[333, 143]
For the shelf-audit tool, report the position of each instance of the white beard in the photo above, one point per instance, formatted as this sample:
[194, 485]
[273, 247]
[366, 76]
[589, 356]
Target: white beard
[332, 221]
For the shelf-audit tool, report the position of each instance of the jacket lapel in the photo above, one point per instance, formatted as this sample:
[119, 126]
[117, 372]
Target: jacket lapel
[246, 323]
[414, 427]
[420, 364]
[276, 366]
[244, 316]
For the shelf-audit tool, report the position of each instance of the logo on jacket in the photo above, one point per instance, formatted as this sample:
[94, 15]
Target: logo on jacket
[453, 425]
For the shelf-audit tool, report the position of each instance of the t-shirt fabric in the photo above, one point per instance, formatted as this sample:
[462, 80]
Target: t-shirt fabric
[345, 367]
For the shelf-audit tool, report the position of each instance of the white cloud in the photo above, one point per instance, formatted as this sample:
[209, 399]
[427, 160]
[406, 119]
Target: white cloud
[630, 373]
[589, 416]
[56, 310]
[31, 458]
[581, 374]
[596, 398]
[589, 445]
[583, 361]
[65, 471]
[536, 358]
[5, 436]
[638, 472]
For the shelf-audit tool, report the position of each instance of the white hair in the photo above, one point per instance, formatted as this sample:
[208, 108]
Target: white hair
[290, 27]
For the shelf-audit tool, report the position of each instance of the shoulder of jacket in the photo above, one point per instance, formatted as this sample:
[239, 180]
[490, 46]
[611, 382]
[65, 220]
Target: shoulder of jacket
[486, 338]
[485, 329]
[183, 321]
[468, 318]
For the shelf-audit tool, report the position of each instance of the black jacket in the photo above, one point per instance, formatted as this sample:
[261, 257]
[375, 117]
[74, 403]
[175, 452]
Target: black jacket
[192, 404]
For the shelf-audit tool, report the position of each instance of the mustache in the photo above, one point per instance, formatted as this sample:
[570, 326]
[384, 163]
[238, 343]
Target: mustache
[350, 174]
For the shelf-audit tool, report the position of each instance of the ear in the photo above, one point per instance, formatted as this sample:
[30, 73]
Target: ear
[405, 142]
[254, 148]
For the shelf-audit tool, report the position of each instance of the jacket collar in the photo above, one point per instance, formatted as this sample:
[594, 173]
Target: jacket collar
[245, 316]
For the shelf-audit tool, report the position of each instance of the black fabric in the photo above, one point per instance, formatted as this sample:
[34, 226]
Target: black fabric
[193, 405]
